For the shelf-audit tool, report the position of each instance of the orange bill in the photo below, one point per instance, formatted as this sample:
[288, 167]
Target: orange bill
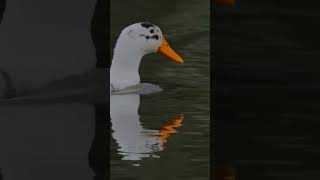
[166, 50]
[170, 127]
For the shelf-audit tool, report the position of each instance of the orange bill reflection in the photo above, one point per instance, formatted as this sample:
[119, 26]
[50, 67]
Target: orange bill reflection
[170, 128]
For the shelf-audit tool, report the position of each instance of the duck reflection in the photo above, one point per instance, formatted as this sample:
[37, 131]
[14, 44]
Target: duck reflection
[134, 141]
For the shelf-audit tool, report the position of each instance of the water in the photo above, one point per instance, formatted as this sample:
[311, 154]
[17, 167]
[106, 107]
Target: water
[266, 90]
[63, 145]
[165, 135]
[61, 42]
[55, 132]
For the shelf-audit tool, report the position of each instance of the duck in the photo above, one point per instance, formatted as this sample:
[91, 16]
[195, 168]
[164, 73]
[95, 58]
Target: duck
[134, 42]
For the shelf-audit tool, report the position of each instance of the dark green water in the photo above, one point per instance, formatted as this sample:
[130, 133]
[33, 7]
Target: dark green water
[266, 84]
[136, 152]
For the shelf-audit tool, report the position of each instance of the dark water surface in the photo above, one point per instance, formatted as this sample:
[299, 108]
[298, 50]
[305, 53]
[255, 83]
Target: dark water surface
[57, 132]
[266, 87]
[165, 135]
[47, 141]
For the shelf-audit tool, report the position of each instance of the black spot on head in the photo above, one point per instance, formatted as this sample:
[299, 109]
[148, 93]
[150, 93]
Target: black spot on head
[142, 35]
[155, 37]
[147, 24]
[151, 31]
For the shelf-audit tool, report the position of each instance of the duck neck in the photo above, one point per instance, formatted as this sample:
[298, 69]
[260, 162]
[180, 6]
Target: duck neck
[124, 70]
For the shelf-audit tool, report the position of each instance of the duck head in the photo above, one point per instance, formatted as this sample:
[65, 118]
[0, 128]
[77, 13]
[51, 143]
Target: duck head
[134, 42]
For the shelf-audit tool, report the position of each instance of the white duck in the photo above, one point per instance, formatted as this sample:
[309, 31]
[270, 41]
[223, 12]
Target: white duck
[134, 42]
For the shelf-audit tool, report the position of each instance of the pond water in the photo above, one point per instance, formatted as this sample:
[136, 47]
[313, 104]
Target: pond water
[164, 135]
[266, 84]
[55, 132]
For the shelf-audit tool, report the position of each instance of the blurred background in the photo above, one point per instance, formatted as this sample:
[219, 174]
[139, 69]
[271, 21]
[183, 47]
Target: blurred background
[53, 137]
[185, 155]
[266, 89]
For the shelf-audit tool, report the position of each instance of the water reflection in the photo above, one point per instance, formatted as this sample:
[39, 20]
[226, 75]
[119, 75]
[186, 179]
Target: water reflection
[136, 142]
[46, 141]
